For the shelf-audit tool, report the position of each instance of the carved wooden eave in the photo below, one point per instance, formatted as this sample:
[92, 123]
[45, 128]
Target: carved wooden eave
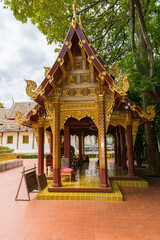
[26, 120]
[138, 113]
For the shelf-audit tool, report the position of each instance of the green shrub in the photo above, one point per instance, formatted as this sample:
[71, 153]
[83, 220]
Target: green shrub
[28, 156]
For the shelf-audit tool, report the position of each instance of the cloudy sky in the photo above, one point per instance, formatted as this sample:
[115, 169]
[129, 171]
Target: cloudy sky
[23, 53]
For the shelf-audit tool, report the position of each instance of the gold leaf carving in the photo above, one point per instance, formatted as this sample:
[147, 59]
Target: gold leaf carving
[93, 114]
[151, 112]
[48, 134]
[101, 76]
[115, 69]
[65, 92]
[47, 69]
[66, 43]
[104, 73]
[79, 91]
[122, 86]
[80, 44]
[82, 106]
[109, 108]
[71, 79]
[89, 60]
[123, 82]
[31, 89]
[85, 78]
[116, 122]
[51, 81]
[49, 106]
[78, 65]
[92, 91]
[35, 127]
[18, 118]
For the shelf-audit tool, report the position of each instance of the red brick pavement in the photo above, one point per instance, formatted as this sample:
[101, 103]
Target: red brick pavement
[137, 218]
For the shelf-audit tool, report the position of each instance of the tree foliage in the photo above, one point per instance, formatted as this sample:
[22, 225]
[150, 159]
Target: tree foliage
[125, 31]
[113, 27]
[1, 105]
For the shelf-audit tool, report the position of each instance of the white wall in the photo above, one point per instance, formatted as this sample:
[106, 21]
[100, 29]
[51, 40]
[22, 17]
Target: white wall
[24, 147]
[14, 144]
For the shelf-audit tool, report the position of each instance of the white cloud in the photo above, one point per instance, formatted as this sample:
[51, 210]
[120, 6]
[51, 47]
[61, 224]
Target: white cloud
[23, 53]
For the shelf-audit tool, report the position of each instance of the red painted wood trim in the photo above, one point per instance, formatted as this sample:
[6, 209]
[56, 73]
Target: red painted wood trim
[124, 178]
[92, 190]
[61, 55]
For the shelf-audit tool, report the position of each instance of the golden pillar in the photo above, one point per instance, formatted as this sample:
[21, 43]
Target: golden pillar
[102, 142]
[56, 142]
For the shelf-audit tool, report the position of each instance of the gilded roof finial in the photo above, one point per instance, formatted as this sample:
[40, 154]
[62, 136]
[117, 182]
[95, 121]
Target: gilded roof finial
[80, 22]
[74, 19]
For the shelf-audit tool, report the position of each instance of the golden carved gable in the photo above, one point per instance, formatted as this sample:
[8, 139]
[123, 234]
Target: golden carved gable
[78, 111]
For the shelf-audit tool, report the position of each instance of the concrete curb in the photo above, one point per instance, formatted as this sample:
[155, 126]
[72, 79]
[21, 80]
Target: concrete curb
[6, 165]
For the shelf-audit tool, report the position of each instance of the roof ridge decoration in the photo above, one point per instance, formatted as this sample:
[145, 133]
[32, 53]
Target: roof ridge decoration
[74, 19]
[32, 90]
[20, 118]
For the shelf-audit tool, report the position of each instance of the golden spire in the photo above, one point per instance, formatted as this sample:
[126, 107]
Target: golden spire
[74, 19]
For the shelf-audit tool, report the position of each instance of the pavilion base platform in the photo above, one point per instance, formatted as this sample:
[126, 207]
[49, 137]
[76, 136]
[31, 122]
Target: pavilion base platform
[85, 185]
[115, 195]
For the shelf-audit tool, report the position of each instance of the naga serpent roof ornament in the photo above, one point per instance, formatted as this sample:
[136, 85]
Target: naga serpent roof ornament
[32, 90]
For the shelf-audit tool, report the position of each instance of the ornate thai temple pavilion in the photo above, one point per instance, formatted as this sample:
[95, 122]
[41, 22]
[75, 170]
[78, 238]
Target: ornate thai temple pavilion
[81, 95]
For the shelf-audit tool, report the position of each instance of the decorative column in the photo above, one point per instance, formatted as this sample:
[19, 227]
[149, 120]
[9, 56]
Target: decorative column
[115, 146]
[102, 142]
[119, 146]
[123, 149]
[130, 151]
[51, 144]
[40, 150]
[56, 140]
[67, 140]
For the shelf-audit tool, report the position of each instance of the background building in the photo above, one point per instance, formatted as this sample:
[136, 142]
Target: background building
[20, 138]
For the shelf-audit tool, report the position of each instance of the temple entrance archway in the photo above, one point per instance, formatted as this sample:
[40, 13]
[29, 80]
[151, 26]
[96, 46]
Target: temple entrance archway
[80, 128]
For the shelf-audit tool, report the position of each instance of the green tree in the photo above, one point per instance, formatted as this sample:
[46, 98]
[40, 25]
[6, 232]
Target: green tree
[1, 105]
[126, 31]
